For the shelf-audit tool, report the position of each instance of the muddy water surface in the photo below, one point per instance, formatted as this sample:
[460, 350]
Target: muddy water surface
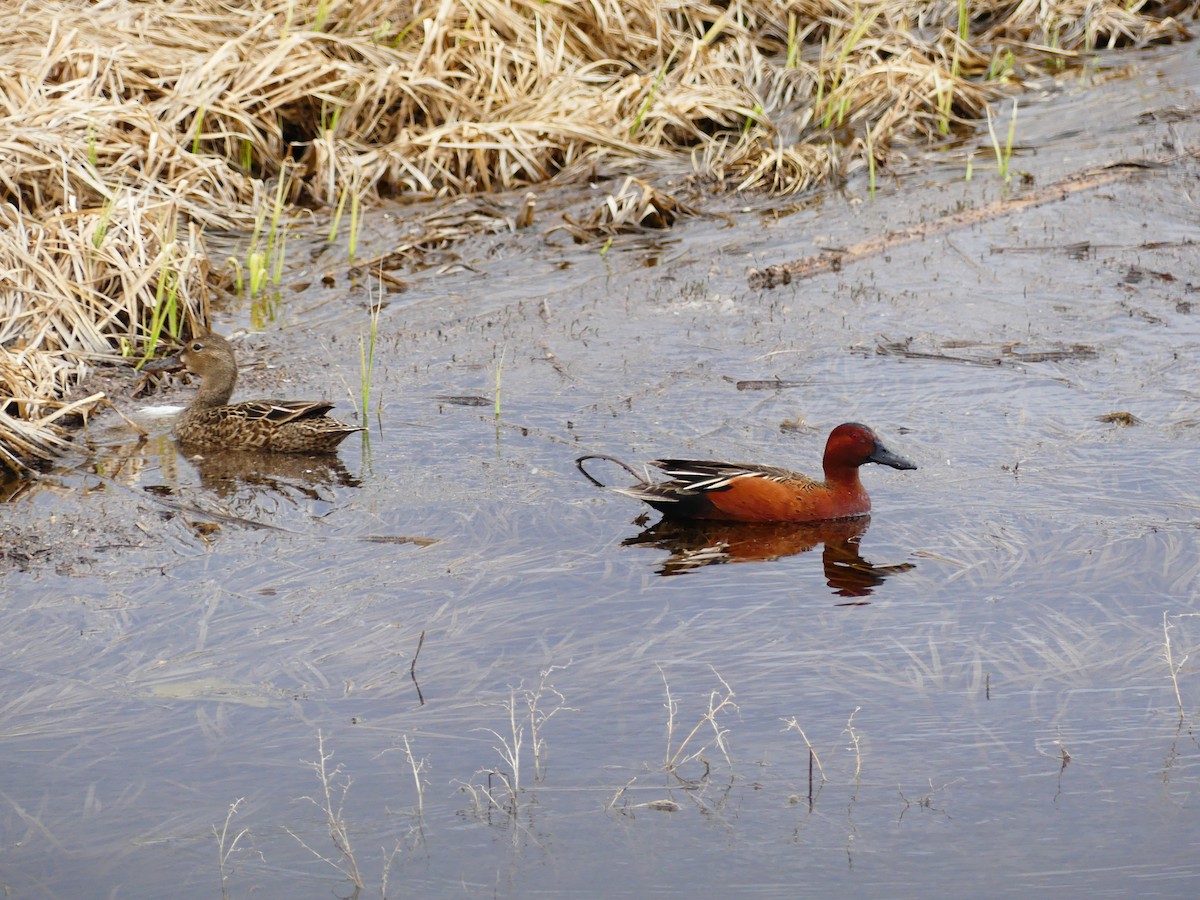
[981, 672]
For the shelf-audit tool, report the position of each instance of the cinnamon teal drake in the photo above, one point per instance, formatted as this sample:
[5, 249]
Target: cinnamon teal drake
[738, 492]
[283, 426]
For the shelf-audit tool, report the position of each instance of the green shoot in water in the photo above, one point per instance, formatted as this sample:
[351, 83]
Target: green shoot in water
[1003, 154]
[337, 213]
[166, 301]
[268, 241]
[350, 190]
[366, 349]
[256, 265]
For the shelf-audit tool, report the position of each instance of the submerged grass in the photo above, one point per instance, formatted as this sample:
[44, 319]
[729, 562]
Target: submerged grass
[124, 116]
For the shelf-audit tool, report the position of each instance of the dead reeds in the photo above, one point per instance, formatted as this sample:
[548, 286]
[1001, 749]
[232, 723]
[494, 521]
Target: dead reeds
[129, 126]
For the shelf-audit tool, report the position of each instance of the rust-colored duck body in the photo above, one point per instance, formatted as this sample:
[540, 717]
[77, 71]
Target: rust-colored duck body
[744, 492]
[282, 426]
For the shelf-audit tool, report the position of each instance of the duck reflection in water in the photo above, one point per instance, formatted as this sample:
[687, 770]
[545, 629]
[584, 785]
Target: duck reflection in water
[693, 545]
[231, 472]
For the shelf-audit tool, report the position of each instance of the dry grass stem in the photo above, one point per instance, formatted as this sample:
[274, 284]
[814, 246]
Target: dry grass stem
[637, 206]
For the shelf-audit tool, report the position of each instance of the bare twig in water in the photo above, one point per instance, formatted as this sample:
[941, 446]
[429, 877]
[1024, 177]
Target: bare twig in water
[417, 768]
[718, 702]
[226, 847]
[925, 802]
[334, 821]
[621, 792]
[1172, 666]
[512, 743]
[792, 723]
[854, 744]
[388, 861]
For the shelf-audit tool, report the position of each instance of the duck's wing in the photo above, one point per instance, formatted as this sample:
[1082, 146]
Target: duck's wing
[701, 476]
[275, 412]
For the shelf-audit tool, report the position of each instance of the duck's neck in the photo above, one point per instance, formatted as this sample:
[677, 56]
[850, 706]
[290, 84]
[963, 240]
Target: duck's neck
[215, 389]
[842, 476]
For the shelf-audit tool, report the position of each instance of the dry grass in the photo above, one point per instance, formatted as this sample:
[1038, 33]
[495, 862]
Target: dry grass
[635, 207]
[128, 125]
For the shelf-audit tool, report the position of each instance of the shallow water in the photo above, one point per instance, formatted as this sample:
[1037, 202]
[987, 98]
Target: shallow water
[998, 718]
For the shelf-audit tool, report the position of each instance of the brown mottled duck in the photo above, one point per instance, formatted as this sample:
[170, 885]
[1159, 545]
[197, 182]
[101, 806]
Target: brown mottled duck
[284, 426]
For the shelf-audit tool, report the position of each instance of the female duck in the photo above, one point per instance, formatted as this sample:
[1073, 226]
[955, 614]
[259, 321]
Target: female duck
[285, 426]
[736, 492]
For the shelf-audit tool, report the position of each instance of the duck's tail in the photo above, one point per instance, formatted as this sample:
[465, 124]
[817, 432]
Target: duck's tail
[612, 459]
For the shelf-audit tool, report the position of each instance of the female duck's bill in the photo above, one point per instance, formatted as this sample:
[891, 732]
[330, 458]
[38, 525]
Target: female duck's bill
[283, 426]
[743, 492]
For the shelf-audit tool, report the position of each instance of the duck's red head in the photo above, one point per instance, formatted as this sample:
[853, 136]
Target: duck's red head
[851, 445]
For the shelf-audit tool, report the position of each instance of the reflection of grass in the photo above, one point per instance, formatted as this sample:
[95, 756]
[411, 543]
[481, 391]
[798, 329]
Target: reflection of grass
[926, 801]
